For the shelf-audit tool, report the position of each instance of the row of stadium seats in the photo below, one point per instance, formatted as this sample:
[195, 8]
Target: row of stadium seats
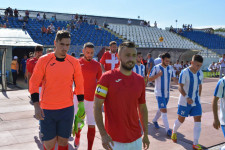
[211, 41]
[220, 33]
[85, 33]
[149, 37]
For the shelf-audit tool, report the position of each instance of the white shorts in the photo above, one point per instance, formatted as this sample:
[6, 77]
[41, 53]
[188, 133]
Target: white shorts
[89, 110]
[136, 145]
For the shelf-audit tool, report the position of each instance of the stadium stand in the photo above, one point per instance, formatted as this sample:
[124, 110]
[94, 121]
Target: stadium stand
[211, 41]
[220, 33]
[149, 37]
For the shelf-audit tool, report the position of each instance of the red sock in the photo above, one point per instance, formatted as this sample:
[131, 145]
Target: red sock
[63, 147]
[78, 134]
[90, 137]
[46, 149]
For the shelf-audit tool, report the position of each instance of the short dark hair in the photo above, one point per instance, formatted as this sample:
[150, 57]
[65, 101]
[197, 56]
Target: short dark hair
[112, 43]
[38, 48]
[126, 44]
[165, 55]
[197, 58]
[89, 45]
[62, 34]
[139, 53]
[149, 54]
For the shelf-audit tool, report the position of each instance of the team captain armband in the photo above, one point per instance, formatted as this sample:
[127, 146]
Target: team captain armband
[101, 90]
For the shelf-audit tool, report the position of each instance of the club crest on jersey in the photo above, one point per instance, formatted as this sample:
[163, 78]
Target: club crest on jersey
[101, 90]
[162, 105]
[182, 112]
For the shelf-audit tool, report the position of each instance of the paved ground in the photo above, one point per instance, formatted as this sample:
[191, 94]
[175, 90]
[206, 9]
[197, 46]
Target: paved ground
[19, 130]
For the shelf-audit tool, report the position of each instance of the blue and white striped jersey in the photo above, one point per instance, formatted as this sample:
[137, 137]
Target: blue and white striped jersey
[191, 83]
[162, 84]
[139, 69]
[219, 92]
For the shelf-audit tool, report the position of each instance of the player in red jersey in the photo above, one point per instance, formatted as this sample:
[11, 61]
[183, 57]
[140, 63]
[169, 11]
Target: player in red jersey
[109, 60]
[92, 72]
[123, 93]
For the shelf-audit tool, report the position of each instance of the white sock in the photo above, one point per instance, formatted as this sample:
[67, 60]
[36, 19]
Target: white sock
[197, 131]
[176, 125]
[157, 116]
[165, 121]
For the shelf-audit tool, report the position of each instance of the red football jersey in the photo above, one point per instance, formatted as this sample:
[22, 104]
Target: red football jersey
[122, 95]
[91, 72]
[31, 64]
[110, 61]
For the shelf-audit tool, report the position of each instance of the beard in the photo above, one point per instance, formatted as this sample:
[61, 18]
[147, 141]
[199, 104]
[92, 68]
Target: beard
[88, 59]
[127, 66]
[164, 64]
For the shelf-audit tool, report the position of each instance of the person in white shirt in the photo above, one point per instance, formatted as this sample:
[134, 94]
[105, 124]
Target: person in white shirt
[219, 94]
[212, 69]
[162, 74]
[129, 22]
[52, 27]
[222, 66]
[139, 68]
[190, 88]
[177, 68]
[217, 69]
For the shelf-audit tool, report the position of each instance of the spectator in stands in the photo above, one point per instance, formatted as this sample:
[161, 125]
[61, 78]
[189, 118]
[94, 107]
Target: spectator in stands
[73, 17]
[212, 69]
[76, 17]
[105, 24]
[186, 65]
[95, 22]
[1, 25]
[91, 21]
[142, 23]
[20, 18]
[14, 69]
[6, 11]
[148, 25]
[48, 31]
[49, 50]
[43, 29]
[52, 28]
[158, 60]
[85, 18]
[177, 68]
[27, 14]
[73, 54]
[63, 28]
[222, 66]
[53, 19]
[155, 24]
[39, 17]
[44, 16]
[10, 12]
[81, 18]
[129, 22]
[16, 13]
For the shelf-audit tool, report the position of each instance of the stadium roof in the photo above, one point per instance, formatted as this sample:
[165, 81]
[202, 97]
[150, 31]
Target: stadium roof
[15, 37]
